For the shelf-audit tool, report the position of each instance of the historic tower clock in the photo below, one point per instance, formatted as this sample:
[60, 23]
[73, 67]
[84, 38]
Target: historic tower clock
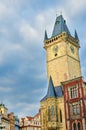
[62, 53]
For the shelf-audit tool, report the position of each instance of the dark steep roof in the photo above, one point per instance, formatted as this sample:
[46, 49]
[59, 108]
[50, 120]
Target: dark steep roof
[76, 36]
[59, 91]
[53, 91]
[45, 37]
[60, 26]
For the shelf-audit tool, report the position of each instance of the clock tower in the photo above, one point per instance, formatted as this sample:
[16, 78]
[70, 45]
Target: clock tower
[62, 53]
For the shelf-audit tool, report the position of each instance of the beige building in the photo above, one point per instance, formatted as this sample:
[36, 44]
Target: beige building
[30, 123]
[12, 120]
[8, 121]
[63, 63]
[4, 120]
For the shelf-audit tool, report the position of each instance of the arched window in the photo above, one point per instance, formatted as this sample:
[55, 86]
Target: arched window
[49, 113]
[52, 112]
[56, 114]
[60, 116]
[74, 126]
[52, 109]
[79, 126]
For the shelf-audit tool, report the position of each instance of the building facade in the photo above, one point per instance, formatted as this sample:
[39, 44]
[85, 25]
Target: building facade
[75, 104]
[8, 121]
[17, 123]
[4, 120]
[63, 65]
[30, 123]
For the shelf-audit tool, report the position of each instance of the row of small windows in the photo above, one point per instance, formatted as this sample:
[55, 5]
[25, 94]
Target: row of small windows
[27, 128]
[32, 122]
[77, 126]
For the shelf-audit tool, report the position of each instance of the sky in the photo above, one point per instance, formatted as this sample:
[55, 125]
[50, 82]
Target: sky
[23, 74]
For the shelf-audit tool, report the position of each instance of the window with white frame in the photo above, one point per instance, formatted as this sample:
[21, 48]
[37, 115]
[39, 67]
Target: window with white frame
[74, 92]
[76, 109]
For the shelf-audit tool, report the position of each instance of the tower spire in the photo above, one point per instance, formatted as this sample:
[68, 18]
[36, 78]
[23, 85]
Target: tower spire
[76, 35]
[60, 26]
[51, 90]
[45, 37]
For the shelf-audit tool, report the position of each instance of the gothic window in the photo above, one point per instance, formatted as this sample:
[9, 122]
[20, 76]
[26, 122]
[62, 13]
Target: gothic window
[60, 116]
[56, 114]
[73, 92]
[76, 109]
[52, 112]
[52, 109]
[49, 113]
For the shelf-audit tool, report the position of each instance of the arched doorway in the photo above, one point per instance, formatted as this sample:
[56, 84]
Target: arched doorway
[79, 126]
[74, 126]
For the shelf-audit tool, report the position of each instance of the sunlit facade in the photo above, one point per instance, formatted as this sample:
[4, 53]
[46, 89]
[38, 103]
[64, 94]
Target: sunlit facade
[63, 107]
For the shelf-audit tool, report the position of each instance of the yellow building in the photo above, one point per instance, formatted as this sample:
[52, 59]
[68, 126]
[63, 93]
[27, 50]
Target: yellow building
[63, 63]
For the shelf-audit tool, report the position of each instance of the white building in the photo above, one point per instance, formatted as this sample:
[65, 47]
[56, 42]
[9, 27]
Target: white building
[30, 123]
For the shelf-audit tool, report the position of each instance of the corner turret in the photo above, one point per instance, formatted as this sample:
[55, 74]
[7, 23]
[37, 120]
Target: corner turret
[45, 37]
[51, 90]
[76, 36]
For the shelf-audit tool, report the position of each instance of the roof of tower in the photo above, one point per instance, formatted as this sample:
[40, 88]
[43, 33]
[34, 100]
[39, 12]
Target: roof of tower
[59, 91]
[53, 91]
[60, 26]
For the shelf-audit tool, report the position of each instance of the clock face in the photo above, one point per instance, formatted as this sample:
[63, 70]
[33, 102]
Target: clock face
[55, 49]
[72, 49]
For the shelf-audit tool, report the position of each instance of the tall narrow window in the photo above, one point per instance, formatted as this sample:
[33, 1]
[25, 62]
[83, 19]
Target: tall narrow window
[60, 116]
[52, 112]
[79, 126]
[74, 126]
[49, 113]
[56, 114]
